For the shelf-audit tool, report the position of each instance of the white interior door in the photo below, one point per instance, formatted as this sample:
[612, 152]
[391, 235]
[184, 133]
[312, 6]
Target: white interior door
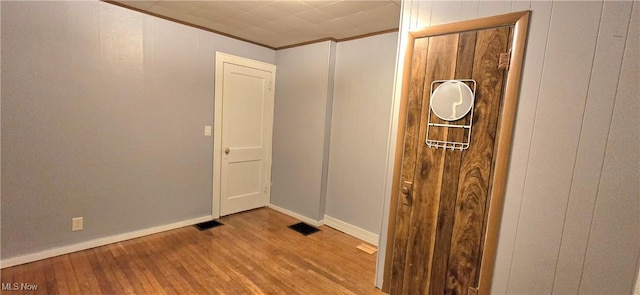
[244, 122]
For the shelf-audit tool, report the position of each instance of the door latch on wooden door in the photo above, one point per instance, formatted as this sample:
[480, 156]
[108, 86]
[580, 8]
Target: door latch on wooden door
[407, 192]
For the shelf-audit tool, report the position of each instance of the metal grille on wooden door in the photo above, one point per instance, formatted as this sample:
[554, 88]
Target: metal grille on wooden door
[443, 200]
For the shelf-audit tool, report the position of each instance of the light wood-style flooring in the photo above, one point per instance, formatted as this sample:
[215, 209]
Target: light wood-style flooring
[252, 253]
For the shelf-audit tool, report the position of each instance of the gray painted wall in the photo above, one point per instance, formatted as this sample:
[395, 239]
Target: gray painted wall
[301, 128]
[103, 111]
[570, 222]
[359, 130]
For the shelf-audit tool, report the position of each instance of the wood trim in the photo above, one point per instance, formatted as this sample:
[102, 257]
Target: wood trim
[185, 23]
[395, 184]
[369, 35]
[243, 39]
[339, 40]
[307, 43]
[512, 89]
[521, 21]
[469, 25]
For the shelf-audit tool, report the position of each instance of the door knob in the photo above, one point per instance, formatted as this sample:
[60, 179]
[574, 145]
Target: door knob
[407, 191]
[227, 151]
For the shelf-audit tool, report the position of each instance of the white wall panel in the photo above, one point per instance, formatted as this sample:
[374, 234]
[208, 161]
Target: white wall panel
[469, 9]
[360, 124]
[521, 5]
[489, 8]
[527, 104]
[299, 131]
[614, 240]
[443, 12]
[420, 14]
[563, 92]
[595, 127]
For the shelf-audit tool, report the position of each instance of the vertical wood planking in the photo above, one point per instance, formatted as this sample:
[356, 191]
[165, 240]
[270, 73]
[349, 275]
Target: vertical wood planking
[475, 171]
[613, 247]
[428, 175]
[441, 63]
[527, 104]
[414, 106]
[464, 68]
[595, 128]
[555, 138]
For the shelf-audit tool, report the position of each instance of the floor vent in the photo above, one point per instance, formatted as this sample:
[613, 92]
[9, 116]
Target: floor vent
[303, 228]
[207, 225]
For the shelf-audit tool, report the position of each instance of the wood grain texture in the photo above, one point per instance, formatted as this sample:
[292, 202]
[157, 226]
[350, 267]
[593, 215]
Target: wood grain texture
[491, 209]
[443, 236]
[413, 111]
[477, 162]
[411, 244]
[441, 64]
[253, 253]
[464, 68]
[503, 154]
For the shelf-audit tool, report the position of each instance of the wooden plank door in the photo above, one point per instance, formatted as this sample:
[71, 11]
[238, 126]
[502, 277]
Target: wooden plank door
[443, 195]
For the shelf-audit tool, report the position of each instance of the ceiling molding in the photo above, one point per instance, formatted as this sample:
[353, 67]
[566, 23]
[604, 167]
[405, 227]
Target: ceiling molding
[340, 40]
[185, 23]
[277, 24]
[307, 43]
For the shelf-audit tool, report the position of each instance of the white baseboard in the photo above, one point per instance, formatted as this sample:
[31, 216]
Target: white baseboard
[296, 215]
[98, 242]
[351, 230]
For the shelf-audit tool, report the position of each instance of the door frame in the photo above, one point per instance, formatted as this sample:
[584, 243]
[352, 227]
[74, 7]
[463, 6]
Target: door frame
[520, 21]
[220, 59]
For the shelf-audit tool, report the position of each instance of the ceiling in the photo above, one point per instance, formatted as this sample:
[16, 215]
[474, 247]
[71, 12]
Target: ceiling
[281, 23]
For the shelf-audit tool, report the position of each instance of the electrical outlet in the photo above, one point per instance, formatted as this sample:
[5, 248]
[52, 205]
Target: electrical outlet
[76, 224]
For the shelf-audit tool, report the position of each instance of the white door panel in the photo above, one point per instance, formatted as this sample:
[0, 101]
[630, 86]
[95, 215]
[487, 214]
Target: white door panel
[244, 111]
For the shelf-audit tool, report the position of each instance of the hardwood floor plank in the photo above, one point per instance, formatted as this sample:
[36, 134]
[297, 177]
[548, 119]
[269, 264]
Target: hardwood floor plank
[72, 280]
[59, 275]
[51, 284]
[253, 253]
[125, 273]
[83, 271]
[106, 279]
